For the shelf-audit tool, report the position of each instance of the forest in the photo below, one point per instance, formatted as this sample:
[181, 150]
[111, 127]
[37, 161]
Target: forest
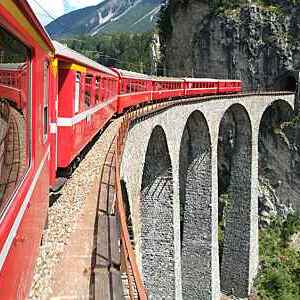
[130, 51]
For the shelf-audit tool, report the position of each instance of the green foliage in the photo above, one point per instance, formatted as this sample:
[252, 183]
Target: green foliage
[220, 7]
[11, 49]
[224, 203]
[293, 123]
[130, 51]
[279, 276]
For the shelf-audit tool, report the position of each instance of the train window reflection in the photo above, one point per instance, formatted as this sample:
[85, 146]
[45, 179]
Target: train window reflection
[14, 114]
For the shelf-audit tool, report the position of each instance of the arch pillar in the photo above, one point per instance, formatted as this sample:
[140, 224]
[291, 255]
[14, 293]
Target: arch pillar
[195, 205]
[235, 131]
[157, 228]
[253, 249]
[215, 266]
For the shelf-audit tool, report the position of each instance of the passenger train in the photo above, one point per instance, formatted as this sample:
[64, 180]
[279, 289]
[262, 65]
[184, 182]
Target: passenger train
[53, 101]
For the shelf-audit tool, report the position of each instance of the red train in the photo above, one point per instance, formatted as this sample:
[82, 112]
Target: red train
[53, 101]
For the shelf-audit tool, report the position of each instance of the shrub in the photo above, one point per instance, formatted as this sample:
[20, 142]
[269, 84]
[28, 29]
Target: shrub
[279, 274]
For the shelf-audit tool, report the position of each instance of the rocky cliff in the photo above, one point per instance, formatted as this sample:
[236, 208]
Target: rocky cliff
[260, 44]
[255, 42]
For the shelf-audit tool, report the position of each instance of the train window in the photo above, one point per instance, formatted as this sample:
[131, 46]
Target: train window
[106, 88]
[15, 115]
[97, 89]
[123, 87]
[88, 91]
[102, 89]
[115, 87]
[77, 92]
[46, 99]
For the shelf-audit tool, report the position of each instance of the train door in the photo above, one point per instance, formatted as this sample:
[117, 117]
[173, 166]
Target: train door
[46, 101]
[77, 93]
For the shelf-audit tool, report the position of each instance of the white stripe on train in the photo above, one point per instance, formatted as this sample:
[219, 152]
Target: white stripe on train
[67, 122]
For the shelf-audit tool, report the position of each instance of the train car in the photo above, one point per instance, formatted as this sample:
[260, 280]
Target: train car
[87, 100]
[201, 86]
[134, 88]
[168, 88]
[25, 49]
[229, 86]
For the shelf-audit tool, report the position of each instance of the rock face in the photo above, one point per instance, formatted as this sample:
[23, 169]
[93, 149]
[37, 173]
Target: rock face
[260, 45]
[279, 168]
[257, 44]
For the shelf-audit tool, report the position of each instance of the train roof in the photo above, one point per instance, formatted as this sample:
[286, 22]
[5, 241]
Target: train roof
[132, 75]
[162, 78]
[230, 80]
[136, 75]
[66, 52]
[191, 79]
[24, 8]
[11, 66]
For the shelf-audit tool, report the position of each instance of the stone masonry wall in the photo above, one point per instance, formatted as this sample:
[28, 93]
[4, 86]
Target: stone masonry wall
[157, 246]
[173, 122]
[236, 251]
[195, 206]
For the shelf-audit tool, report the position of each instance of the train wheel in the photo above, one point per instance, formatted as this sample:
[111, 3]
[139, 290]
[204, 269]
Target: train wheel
[77, 161]
[69, 170]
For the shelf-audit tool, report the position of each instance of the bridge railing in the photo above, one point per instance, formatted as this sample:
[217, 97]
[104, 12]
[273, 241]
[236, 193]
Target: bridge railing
[137, 289]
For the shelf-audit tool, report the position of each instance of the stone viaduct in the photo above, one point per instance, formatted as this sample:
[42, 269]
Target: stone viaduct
[170, 175]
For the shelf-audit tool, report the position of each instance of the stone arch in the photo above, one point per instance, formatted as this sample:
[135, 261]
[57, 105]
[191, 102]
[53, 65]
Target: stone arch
[157, 233]
[195, 208]
[279, 160]
[234, 177]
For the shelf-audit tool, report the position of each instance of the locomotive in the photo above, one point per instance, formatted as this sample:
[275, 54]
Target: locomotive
[53, 101]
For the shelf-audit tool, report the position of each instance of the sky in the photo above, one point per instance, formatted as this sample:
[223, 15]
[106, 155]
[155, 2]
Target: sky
[56, 8]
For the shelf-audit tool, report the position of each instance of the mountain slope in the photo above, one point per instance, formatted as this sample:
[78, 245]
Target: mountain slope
[108, 16]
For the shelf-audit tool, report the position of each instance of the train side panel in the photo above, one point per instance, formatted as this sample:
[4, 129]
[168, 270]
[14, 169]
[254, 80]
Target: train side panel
[168, 89]
[65, 129]
[87, 101]
[24, 158]
[53, 114]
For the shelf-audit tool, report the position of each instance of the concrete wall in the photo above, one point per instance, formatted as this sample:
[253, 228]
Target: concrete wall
[191, 177]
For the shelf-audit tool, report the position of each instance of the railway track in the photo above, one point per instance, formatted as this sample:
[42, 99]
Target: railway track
[106, 273]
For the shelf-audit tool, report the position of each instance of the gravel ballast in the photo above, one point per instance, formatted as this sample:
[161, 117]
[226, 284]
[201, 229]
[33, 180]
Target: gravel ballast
[64, 213]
